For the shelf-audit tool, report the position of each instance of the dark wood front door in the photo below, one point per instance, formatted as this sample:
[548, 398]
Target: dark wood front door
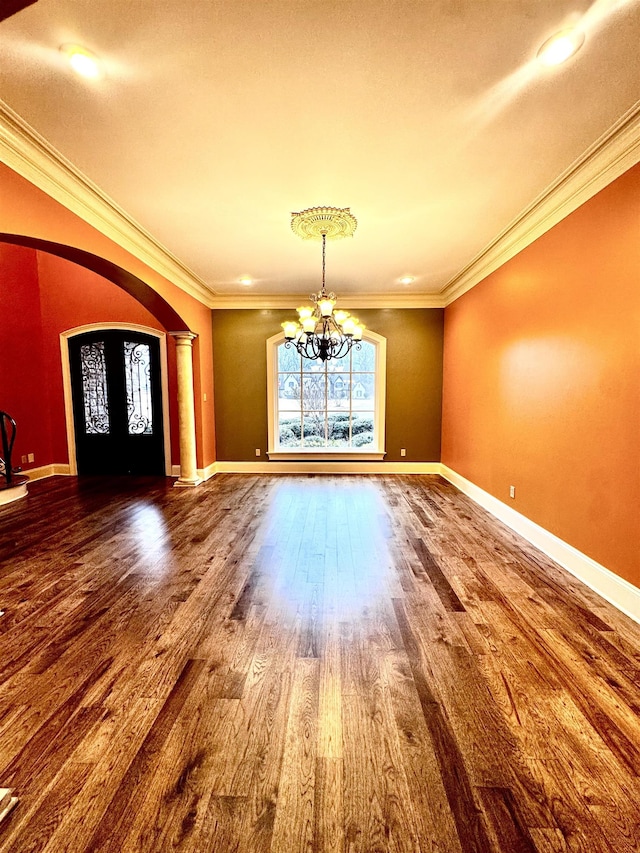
[117, 403]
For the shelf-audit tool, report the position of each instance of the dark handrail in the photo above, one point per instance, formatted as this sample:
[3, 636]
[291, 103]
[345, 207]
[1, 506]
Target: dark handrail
[6, 421]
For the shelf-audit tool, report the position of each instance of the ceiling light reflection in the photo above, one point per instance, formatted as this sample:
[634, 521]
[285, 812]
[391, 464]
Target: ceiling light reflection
[83, 61]
[560, 47]
[500, 96]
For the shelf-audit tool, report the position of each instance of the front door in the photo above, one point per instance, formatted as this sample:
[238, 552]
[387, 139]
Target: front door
[117, 403]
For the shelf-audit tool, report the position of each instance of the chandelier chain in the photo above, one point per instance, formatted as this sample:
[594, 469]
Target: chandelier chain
[324, 249]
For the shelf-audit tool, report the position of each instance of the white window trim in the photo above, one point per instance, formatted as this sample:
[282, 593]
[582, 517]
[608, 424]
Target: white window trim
[366, 454]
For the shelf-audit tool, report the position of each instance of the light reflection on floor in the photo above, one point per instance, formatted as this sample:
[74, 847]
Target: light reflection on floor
[326, 548]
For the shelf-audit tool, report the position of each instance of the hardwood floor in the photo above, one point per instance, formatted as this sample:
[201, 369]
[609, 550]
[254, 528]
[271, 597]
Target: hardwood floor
[357, 664]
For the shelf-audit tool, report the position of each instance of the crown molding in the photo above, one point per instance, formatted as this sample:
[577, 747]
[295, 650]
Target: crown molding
[610, 156]
[418, 300]
[31, 156]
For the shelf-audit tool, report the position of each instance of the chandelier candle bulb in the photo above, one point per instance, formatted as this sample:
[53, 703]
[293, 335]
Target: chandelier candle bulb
[309, 324]
[291, 329]
[340, 316]
[326, 306]
[305, 312]
[348, 327]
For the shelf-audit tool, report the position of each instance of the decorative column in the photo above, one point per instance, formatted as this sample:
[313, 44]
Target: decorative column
[186, 410]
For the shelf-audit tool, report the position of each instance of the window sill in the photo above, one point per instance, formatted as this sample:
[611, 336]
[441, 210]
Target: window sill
[325, 454]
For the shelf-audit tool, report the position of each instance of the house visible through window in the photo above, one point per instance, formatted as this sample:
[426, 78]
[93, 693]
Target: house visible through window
[330, 407]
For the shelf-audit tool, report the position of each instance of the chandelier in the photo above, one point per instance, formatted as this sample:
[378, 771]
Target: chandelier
[321, 331]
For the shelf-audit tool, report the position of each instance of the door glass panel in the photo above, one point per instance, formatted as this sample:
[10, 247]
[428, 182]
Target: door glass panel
[137, 372]
[94, 389]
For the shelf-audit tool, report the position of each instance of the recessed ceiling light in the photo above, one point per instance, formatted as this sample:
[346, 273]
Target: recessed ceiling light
[407, 279]
[560, 47]
[246, 280]
[83, 62]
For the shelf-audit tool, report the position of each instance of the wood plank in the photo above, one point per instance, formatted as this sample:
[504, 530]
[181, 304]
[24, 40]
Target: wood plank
[294, 819]
[359, 664]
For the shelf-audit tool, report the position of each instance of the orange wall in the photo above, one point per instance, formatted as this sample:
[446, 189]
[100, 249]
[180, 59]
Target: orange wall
[26, 210]
[542, 380]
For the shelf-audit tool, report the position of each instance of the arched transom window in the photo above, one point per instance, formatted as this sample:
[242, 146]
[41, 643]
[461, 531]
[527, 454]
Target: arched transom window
[327, 409]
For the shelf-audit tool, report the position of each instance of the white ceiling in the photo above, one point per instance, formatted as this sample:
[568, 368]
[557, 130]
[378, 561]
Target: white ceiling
[430, 119]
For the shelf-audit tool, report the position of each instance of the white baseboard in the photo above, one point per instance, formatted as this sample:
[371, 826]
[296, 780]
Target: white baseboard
[55, 469]
[318, 467]
[203, 473]
[208, 472]
[614, 589]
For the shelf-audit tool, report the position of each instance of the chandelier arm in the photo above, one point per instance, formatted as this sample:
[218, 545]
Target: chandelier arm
[313, 346]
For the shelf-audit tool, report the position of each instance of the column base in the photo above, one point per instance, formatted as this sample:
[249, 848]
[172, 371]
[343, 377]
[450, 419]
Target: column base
[181, 483]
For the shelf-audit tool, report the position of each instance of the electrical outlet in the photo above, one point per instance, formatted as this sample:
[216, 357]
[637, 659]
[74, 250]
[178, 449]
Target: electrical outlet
[403, 452]
[512, 491]
[31, 457]
[205, 398]
[258, 451]
[23, 459]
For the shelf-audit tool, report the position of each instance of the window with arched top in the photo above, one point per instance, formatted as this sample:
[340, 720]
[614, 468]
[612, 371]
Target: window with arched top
[327, 410]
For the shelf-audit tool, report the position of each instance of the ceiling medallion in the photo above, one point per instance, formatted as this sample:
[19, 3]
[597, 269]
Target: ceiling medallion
[334, 222]
[320, 332]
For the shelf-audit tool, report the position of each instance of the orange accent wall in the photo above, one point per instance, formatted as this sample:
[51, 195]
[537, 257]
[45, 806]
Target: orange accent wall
[26, 210]
[542, 380]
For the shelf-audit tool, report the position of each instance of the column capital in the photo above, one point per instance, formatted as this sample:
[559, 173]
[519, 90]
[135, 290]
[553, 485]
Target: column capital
[183, 338]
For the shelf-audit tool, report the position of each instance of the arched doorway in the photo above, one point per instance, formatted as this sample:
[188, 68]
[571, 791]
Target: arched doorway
[170, 321]
[140, 290]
